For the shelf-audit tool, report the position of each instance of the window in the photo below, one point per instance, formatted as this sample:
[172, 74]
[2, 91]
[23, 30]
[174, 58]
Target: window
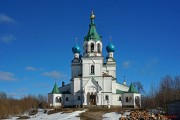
[58, 99]
[92, 69]
[79, 97]
[127, 100]
[99, 48]
[119, 98]
[107, 97]
[67, 99]
[92, 47]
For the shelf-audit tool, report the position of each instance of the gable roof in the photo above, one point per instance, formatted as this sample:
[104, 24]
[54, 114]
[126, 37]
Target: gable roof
[93, 82]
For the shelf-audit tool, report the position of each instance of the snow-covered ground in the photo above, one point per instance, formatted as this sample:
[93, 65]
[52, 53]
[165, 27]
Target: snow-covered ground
[56, 116]
[114, 115]
[70, 116]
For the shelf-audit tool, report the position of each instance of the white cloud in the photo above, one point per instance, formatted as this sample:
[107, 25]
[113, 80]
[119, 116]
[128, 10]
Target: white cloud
[30, 68]
[126, 64]
[41, 85]
[151, 62]
[21, 89]
[7, 38]
[149, 67]
[6, 19]
[7, 76]
[53, 74]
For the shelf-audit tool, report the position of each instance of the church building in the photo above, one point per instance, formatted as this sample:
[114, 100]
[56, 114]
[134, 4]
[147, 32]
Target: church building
[93, 77]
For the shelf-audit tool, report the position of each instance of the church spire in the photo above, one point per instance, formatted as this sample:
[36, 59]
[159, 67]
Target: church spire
[55, 89]
[92, 33]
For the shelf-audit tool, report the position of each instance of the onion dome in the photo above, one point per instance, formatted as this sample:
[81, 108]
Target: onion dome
[110, 48]
[76, 49]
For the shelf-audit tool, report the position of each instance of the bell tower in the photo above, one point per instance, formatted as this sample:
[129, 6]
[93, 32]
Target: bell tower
[92, 41]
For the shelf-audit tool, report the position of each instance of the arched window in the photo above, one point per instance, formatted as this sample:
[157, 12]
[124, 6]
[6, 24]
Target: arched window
[79, 98]
[127, 100]
[67, 99]
[58, 99]
[92, 69]
[92, 47]
[99, 48]
[119, 98]
[107, 97]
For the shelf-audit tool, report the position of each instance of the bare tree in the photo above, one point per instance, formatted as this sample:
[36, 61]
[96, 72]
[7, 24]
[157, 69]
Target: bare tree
[138, 85]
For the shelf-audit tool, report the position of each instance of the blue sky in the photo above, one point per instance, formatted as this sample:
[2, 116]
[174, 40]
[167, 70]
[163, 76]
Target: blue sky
[36, 38]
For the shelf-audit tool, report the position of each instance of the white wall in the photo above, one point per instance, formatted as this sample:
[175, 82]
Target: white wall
[86, 66]
[52, 99]
[131, 102]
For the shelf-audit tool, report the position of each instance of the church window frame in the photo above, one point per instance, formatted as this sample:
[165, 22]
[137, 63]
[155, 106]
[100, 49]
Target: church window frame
[92, 47]
[127, 99]
[79, 98]
[119, 98]
[92, 69]
[67, 99]
[58, 99]
[107, 97]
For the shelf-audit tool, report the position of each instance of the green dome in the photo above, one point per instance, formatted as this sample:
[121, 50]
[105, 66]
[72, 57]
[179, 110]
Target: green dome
[76, 49]
[110, 48]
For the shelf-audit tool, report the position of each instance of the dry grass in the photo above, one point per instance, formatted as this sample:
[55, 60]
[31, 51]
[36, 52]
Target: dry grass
[96, 113]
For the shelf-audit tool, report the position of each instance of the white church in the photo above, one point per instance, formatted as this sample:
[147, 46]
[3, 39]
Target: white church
[93, 78]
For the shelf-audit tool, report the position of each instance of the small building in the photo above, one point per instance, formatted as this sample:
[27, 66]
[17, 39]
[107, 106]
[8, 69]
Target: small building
[93, 77]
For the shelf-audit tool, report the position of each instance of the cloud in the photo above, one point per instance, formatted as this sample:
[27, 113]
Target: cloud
[30, 68]
[7, 38]
[126, 64]
[6, 19]
[149, 67]
[7, 76]
[41, 85]
[53, 74]
[152, 62]
[21, 89]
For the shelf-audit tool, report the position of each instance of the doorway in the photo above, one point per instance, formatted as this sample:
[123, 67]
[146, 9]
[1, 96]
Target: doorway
[91, 99]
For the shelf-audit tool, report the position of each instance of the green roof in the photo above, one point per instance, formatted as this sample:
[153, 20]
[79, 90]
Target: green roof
[119, 91]
[55, 89]
[132, 89]
[92, 33]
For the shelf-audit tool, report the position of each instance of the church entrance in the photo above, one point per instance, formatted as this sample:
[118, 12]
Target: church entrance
[91, 99]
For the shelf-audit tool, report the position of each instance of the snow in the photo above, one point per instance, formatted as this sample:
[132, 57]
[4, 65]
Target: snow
[111, 116]
[114, 115]
[71, 116]
[56, 116]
